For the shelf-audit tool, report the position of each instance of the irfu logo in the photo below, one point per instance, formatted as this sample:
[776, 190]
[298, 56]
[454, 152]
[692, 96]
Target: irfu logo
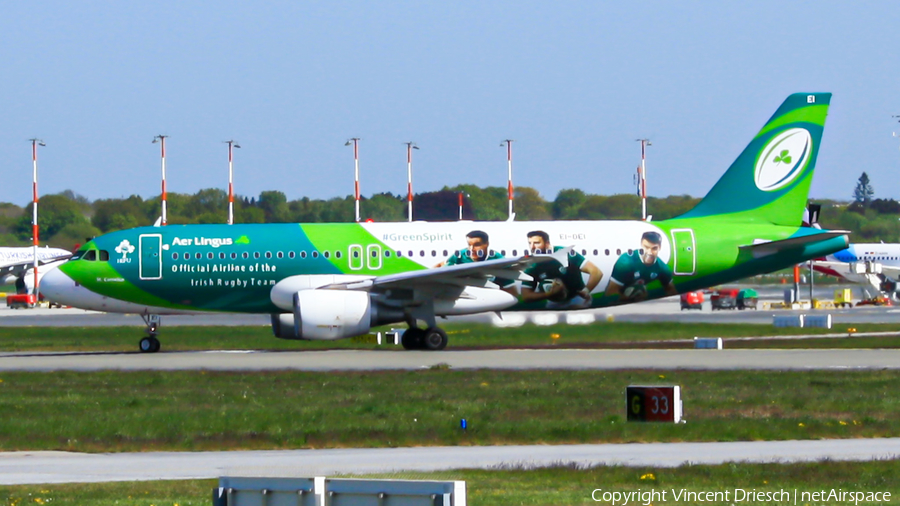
[783, 157]
[124, 248]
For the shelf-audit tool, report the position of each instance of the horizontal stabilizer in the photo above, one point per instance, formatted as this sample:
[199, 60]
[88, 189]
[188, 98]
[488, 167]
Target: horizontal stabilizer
[770, 247]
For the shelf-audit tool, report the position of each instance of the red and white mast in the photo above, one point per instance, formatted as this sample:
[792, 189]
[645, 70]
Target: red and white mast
[642, 173]
[409, 194]
[161, 139]
[34, 214]
[510, 191]
[460, 206]
[355, 142]
[231, 145]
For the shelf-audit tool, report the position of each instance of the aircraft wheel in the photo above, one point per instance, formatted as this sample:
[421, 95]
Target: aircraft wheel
[413, 338]
[149, 345]
[435, 339]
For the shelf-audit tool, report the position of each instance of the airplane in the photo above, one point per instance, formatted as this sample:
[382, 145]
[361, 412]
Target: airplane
[868, 264]
[337, 280]
[17, 265]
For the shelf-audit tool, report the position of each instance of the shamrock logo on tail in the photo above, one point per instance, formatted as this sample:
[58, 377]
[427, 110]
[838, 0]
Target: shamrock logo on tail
[784, 157]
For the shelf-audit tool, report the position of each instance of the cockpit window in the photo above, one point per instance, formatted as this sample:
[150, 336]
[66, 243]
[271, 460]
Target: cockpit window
[90, 255]
[104, 255]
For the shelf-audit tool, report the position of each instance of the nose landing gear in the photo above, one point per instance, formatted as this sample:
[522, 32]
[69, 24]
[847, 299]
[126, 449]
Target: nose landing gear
[150, 344]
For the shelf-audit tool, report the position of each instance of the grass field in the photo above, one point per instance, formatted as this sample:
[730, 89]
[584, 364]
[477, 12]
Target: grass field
[200, 410]
[608, 334]
[537, 487]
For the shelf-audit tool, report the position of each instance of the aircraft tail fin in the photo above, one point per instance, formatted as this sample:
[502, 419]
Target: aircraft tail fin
[769, 182]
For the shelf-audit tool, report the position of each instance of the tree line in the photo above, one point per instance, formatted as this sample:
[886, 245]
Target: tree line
[67, 219]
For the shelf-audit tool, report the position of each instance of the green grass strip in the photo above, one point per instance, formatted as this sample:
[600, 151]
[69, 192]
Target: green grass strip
[199, 410]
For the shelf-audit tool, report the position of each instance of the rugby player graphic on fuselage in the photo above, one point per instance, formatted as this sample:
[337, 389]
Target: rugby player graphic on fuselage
[561, 286]
[479, 250]
[634, 271]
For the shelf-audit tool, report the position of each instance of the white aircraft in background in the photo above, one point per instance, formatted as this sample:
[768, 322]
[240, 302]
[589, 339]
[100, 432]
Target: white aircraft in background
[868, 264]
[874, 264]
[17, 265]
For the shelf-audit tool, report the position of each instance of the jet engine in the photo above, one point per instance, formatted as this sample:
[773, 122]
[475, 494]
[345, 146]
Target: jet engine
[331, 314]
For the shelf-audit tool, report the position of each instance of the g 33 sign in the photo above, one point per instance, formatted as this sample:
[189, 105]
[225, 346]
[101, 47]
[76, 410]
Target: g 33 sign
[653, 403]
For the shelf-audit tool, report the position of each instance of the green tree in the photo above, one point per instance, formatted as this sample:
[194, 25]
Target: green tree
[529, 205]
[274, 205]
[864, 192]
[55, 212]
[567, 205]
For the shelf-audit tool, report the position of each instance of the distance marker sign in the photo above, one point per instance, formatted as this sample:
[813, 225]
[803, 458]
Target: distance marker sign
[653, 403]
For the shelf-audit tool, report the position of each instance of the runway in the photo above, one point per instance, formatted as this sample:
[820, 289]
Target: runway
[369, 360]
[62, 467]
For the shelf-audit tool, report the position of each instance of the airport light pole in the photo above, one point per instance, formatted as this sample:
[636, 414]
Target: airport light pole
[231, 144]
[409, 194]
[898, 120]
[34, 214]
[509, 188]
[642, 180]
[161, 139]
[355, 142]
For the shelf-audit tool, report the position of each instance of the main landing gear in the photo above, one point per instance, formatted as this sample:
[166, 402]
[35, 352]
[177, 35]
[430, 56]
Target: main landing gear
[150, 344]
[431, 339]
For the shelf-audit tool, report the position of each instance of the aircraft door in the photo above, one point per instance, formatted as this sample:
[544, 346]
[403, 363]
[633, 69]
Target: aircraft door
[373, 256]
[150, 256]
[355, 257]
[685, 251]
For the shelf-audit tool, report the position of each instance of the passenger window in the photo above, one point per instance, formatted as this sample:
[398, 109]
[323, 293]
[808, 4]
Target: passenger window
[210, 255]
[607, 252]
[199, 256]
[222, 256]
[325, 253]
[187, 256]
[387, 253]
[174, 256]
[233, 255]
[302, 254]
[315, 254]
[399, 253]
[618, 252]
[279, 254]
[268, 254]
[515, 253]
[256, 254]
[595, 252]
[245, 255]
[290, 254]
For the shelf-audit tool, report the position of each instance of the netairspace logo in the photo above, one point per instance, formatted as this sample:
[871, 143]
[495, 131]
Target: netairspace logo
[738, 495]
[783, 159]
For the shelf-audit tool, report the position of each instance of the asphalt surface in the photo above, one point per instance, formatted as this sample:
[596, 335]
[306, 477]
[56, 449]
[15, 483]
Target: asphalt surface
[369, 360]
[62, 467]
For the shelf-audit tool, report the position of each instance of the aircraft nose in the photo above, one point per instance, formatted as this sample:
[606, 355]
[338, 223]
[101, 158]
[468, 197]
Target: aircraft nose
[57, 286]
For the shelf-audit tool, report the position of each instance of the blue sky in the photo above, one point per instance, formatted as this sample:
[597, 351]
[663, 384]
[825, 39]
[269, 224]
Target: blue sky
[573, 83]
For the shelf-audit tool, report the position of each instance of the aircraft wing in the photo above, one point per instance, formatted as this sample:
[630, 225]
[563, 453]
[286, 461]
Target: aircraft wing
[19, 267]
[771, 247]
[462, 275]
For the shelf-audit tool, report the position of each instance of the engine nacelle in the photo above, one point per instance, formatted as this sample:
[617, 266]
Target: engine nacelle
[325, 315]
[282, 294]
